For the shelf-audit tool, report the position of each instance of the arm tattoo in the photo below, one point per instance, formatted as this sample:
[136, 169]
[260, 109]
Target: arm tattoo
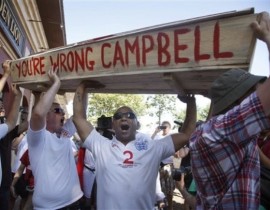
[79, 97]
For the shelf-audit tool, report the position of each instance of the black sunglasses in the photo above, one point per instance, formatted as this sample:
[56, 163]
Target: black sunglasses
[120, 115]
[59, 111]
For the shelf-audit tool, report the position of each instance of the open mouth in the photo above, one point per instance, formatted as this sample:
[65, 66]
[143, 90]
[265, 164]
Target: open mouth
[124, 127]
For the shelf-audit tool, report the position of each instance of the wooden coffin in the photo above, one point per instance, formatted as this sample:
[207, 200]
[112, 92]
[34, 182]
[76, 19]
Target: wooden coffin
[179, 57]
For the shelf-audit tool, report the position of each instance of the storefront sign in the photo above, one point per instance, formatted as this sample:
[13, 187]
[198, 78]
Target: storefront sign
[10, 26]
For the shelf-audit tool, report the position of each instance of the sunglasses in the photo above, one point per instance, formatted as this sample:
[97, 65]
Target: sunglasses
[59, 111]
[120, 115]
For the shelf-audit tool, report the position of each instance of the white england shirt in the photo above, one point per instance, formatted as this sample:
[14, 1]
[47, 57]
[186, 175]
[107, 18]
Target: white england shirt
[167, 160]
[3, 132]
[126, 174]
[53, 166]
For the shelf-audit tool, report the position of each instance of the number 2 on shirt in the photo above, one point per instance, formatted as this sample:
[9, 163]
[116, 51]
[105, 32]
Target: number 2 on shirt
[129, 156]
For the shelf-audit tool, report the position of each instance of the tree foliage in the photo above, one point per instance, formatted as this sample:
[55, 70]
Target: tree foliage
[202, 113]
[156, 106]
[160, 104]
[107, 104]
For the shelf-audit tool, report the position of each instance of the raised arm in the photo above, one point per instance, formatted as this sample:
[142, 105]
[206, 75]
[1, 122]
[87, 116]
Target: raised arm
[42, 107]
[23, 125]
[13, 114]
[262, 31]
[189, 125]
[6, 68]
[79, 112]
[191, 114]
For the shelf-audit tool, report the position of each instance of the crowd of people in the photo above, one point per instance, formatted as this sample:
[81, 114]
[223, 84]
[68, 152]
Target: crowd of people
[228, 152]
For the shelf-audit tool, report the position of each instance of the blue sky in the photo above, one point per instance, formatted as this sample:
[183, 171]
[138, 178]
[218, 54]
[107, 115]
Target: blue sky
[87, 19]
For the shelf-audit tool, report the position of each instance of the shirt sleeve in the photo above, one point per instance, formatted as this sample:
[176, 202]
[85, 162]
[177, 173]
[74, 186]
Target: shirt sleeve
[240, 123]
[95, 142]
[166, 146]
[35, 138]
[36, 142]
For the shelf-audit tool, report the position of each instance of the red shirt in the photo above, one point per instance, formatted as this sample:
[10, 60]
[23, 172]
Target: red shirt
[80, 164]
[28, 173]
[225, 159]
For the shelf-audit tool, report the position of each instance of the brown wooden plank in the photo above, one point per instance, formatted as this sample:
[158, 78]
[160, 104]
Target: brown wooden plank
[180, 57]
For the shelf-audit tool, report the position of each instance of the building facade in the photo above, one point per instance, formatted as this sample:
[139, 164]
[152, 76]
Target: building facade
[28, 27]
